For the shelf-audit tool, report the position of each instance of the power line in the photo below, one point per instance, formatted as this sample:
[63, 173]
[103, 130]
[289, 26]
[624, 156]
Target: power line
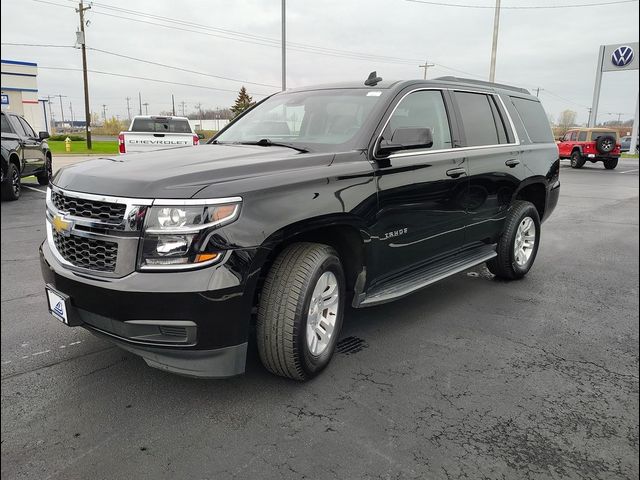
[181, 69]
[522, 7]
[113, 74]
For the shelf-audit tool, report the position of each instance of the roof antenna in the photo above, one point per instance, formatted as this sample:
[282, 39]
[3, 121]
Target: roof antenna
[373, 79]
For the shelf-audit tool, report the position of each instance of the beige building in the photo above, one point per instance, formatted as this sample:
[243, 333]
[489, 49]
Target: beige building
[20, 93]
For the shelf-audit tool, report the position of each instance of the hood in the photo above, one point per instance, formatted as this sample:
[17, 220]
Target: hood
[181, 172]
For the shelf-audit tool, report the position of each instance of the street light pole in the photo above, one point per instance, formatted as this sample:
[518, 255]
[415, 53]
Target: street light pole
[284, 45]
[494, 46]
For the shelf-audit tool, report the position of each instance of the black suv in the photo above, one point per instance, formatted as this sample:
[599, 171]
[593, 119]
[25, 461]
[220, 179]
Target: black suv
[23, 154]
[315, 199]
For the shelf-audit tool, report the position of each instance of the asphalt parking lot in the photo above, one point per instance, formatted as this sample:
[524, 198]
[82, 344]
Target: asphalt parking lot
[470, 378]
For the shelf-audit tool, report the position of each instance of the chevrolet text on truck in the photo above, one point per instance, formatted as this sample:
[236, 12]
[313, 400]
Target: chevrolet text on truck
[315, 199]
[148, 133]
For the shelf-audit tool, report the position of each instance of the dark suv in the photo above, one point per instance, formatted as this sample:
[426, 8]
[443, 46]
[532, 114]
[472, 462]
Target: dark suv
[315, 199]
[23, 154]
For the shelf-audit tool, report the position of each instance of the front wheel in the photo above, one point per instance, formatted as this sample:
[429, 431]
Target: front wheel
[611, 163]
[45, 176]
[300, 311]
[518, 245]
[577, 160]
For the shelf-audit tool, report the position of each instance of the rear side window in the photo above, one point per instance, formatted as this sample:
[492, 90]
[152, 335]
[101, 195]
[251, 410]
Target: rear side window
[535, 120]
[161, 125]
[481, 120]
[582, 137]
[6, 126]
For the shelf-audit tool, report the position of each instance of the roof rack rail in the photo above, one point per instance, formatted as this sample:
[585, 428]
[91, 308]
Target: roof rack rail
[482, 82]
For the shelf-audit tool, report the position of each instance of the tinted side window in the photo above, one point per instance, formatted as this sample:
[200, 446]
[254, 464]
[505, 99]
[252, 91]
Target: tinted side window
[6, 126]
[27, 128]
[572, 136]
[424, 109]
[582, 136]
[535, 120]
[477, 119]
[17, 127]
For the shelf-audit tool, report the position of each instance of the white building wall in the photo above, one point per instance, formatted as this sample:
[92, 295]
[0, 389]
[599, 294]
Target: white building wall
[20, 84]
[208, 124]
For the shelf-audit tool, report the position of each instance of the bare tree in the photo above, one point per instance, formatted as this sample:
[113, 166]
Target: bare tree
[567, 119]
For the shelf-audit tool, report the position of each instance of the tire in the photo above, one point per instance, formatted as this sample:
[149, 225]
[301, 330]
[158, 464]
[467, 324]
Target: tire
[44, 177]
[577, 161]
[284, 312]
[507, 264]
[11, 186]
[610, 164]
[605, 144]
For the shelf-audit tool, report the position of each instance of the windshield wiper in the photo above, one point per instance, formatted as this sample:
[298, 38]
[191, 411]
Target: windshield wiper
[265, 142]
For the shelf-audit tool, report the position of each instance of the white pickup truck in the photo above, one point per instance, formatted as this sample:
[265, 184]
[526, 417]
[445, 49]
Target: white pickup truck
[148, 133]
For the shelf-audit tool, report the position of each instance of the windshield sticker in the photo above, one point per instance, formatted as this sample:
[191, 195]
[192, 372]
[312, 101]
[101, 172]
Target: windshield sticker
[374, 94]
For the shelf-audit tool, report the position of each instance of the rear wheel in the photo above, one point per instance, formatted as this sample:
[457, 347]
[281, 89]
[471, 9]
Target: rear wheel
[577, 161]
[44, 177]
[611, 163]
[11, 186]
[518, 245]
[300, 311]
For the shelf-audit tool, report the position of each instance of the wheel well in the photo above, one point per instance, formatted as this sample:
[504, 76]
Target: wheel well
[535, 193]
[576, 149]
[345, 239]
[15, 160]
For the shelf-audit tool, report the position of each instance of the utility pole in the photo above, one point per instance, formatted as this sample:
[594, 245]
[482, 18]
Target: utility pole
[129, 109]
[284, 45]
[173, 105]
[104, 112]
[494, 45]
[538, 92]
[146, 108]
[52, 123]
[82, 37]
[199, 108]
[140, 103]
[426, 66]
[71, 109]
[61, 109]
[183, 104]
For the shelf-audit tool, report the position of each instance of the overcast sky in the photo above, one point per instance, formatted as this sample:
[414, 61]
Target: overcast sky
[553, 49]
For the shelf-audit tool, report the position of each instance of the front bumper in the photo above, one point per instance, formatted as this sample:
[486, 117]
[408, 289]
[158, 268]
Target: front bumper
[192, 323]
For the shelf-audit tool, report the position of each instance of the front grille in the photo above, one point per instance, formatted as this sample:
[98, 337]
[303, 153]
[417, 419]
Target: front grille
[88, 253]
[79, 207]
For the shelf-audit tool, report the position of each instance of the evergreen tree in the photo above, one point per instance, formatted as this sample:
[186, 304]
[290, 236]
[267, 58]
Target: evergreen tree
[243, 102]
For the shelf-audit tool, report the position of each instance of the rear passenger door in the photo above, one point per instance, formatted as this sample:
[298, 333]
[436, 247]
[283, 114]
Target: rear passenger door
[493, 160]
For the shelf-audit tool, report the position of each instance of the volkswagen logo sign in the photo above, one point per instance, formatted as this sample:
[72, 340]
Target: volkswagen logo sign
[622, 56]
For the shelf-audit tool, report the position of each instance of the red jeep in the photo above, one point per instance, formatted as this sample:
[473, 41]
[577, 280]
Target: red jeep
[592, 144]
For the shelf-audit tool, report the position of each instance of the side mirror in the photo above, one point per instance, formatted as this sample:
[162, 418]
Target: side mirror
[409, 138]
[200, 136]
[43, 135]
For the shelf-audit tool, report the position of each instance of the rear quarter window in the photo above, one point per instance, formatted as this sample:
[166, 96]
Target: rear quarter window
[535, 120]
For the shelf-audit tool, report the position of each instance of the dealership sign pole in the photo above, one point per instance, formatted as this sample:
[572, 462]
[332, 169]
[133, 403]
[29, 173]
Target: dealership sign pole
[613, 58]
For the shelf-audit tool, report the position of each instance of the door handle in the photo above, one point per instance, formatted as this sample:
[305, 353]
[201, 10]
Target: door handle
[512, 163]
[456, 172]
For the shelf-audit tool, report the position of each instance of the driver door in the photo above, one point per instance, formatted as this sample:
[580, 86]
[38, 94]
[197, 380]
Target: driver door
[421, 210]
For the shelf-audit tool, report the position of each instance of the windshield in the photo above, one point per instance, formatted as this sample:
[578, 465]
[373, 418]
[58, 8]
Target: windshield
[161, 125]
[324, 120]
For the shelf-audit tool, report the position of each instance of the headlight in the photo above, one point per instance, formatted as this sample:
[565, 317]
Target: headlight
[176, 236]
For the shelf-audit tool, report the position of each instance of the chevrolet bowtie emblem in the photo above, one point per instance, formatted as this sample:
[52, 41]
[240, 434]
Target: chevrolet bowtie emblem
[61, 226]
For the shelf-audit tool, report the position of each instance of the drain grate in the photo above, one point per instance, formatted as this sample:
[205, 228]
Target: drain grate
[351, 345]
